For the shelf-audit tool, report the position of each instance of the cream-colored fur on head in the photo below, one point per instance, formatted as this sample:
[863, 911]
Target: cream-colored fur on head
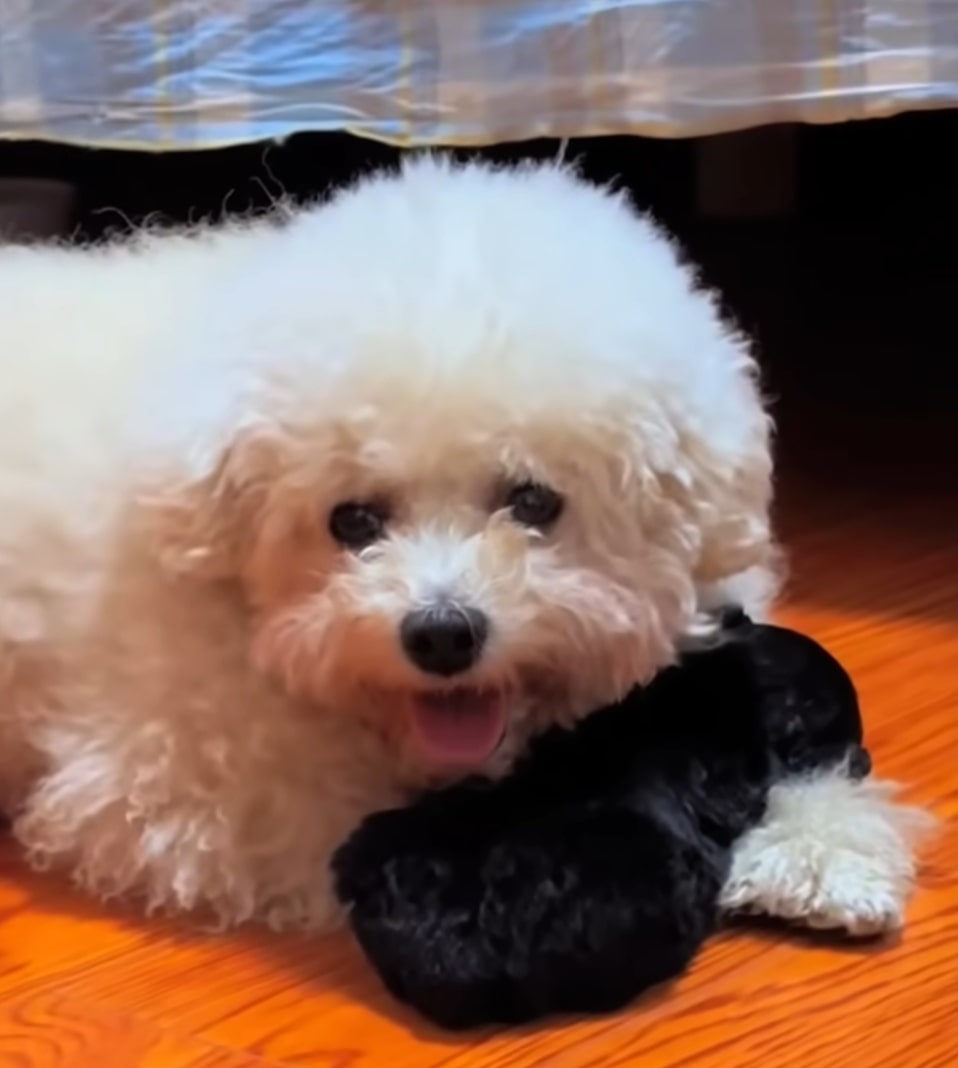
[428, 342]
[203, 692]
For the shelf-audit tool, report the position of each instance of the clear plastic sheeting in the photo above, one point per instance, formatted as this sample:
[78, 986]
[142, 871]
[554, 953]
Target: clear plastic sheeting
[173, 74]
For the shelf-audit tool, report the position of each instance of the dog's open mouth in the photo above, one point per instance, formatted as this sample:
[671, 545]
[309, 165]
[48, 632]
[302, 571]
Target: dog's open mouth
[459, 727]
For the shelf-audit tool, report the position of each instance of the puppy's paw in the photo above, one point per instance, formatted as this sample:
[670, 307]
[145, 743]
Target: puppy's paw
[831, 854]
[844, 891]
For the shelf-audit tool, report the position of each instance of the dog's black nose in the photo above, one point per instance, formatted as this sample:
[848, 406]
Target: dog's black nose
[444, 639]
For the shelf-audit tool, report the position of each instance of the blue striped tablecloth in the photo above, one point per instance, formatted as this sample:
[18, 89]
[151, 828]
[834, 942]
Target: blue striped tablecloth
[172, 74]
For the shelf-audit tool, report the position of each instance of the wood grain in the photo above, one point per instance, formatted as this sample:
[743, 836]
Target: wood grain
[874, 543]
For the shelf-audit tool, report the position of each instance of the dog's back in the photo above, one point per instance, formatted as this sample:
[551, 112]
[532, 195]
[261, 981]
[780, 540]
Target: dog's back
[79, 327]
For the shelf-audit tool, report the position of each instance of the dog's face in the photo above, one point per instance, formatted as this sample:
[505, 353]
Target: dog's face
[483, 510]
[459, 573]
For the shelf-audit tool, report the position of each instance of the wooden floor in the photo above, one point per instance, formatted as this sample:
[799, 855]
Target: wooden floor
[873, 529]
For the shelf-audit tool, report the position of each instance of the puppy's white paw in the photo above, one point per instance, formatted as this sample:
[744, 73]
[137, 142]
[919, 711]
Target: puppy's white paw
[831, 854]
[797, 882]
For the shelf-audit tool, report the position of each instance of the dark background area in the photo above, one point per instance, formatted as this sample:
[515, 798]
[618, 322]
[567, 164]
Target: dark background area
[868, 172]
[851, 297]
[120, 187]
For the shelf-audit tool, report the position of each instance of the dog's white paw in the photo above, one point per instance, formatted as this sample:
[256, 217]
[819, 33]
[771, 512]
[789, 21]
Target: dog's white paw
[841, 891]
[831, 854]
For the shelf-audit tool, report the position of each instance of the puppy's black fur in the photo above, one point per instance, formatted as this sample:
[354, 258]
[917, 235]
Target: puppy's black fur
[593, 871]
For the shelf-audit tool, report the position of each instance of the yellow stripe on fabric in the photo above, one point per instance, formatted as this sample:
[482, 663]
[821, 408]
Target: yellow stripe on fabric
[830, 67]
[162, 66]
[404, 76]
[595, 99]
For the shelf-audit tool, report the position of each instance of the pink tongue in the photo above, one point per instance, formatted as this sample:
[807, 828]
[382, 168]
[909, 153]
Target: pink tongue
[461, 727]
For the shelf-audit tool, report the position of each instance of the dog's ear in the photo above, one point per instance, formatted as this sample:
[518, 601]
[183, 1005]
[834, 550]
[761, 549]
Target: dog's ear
[732, 500]
[717, 487]
[201, 520]
[200, 463]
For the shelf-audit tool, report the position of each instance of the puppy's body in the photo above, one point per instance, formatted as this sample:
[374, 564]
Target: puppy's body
[237, 467]
[595, 870]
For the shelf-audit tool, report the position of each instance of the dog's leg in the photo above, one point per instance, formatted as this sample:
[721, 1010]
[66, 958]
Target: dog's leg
[22, 695]
[830, 853]
[231, 832]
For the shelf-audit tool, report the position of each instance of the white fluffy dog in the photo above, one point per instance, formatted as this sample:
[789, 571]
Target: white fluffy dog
[302, 515]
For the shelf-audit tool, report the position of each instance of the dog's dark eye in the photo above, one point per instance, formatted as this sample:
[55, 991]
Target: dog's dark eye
[534, 505]
[356, 524]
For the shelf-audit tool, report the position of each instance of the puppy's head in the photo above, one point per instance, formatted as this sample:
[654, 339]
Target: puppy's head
[471, 472]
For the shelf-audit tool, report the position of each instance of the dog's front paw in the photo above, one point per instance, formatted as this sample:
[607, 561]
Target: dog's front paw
[831, 854]
[844, 891]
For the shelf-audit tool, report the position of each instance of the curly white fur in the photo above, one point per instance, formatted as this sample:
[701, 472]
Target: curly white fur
[201, 692]
[831, 854]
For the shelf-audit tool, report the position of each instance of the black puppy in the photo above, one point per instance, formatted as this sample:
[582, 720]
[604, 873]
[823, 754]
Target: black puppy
[593, 871]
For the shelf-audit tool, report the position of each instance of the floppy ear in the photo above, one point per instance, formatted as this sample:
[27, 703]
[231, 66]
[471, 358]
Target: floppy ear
[200, 521]
[733, 502]
[713, 476]
[201, 462]
[729, 495]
